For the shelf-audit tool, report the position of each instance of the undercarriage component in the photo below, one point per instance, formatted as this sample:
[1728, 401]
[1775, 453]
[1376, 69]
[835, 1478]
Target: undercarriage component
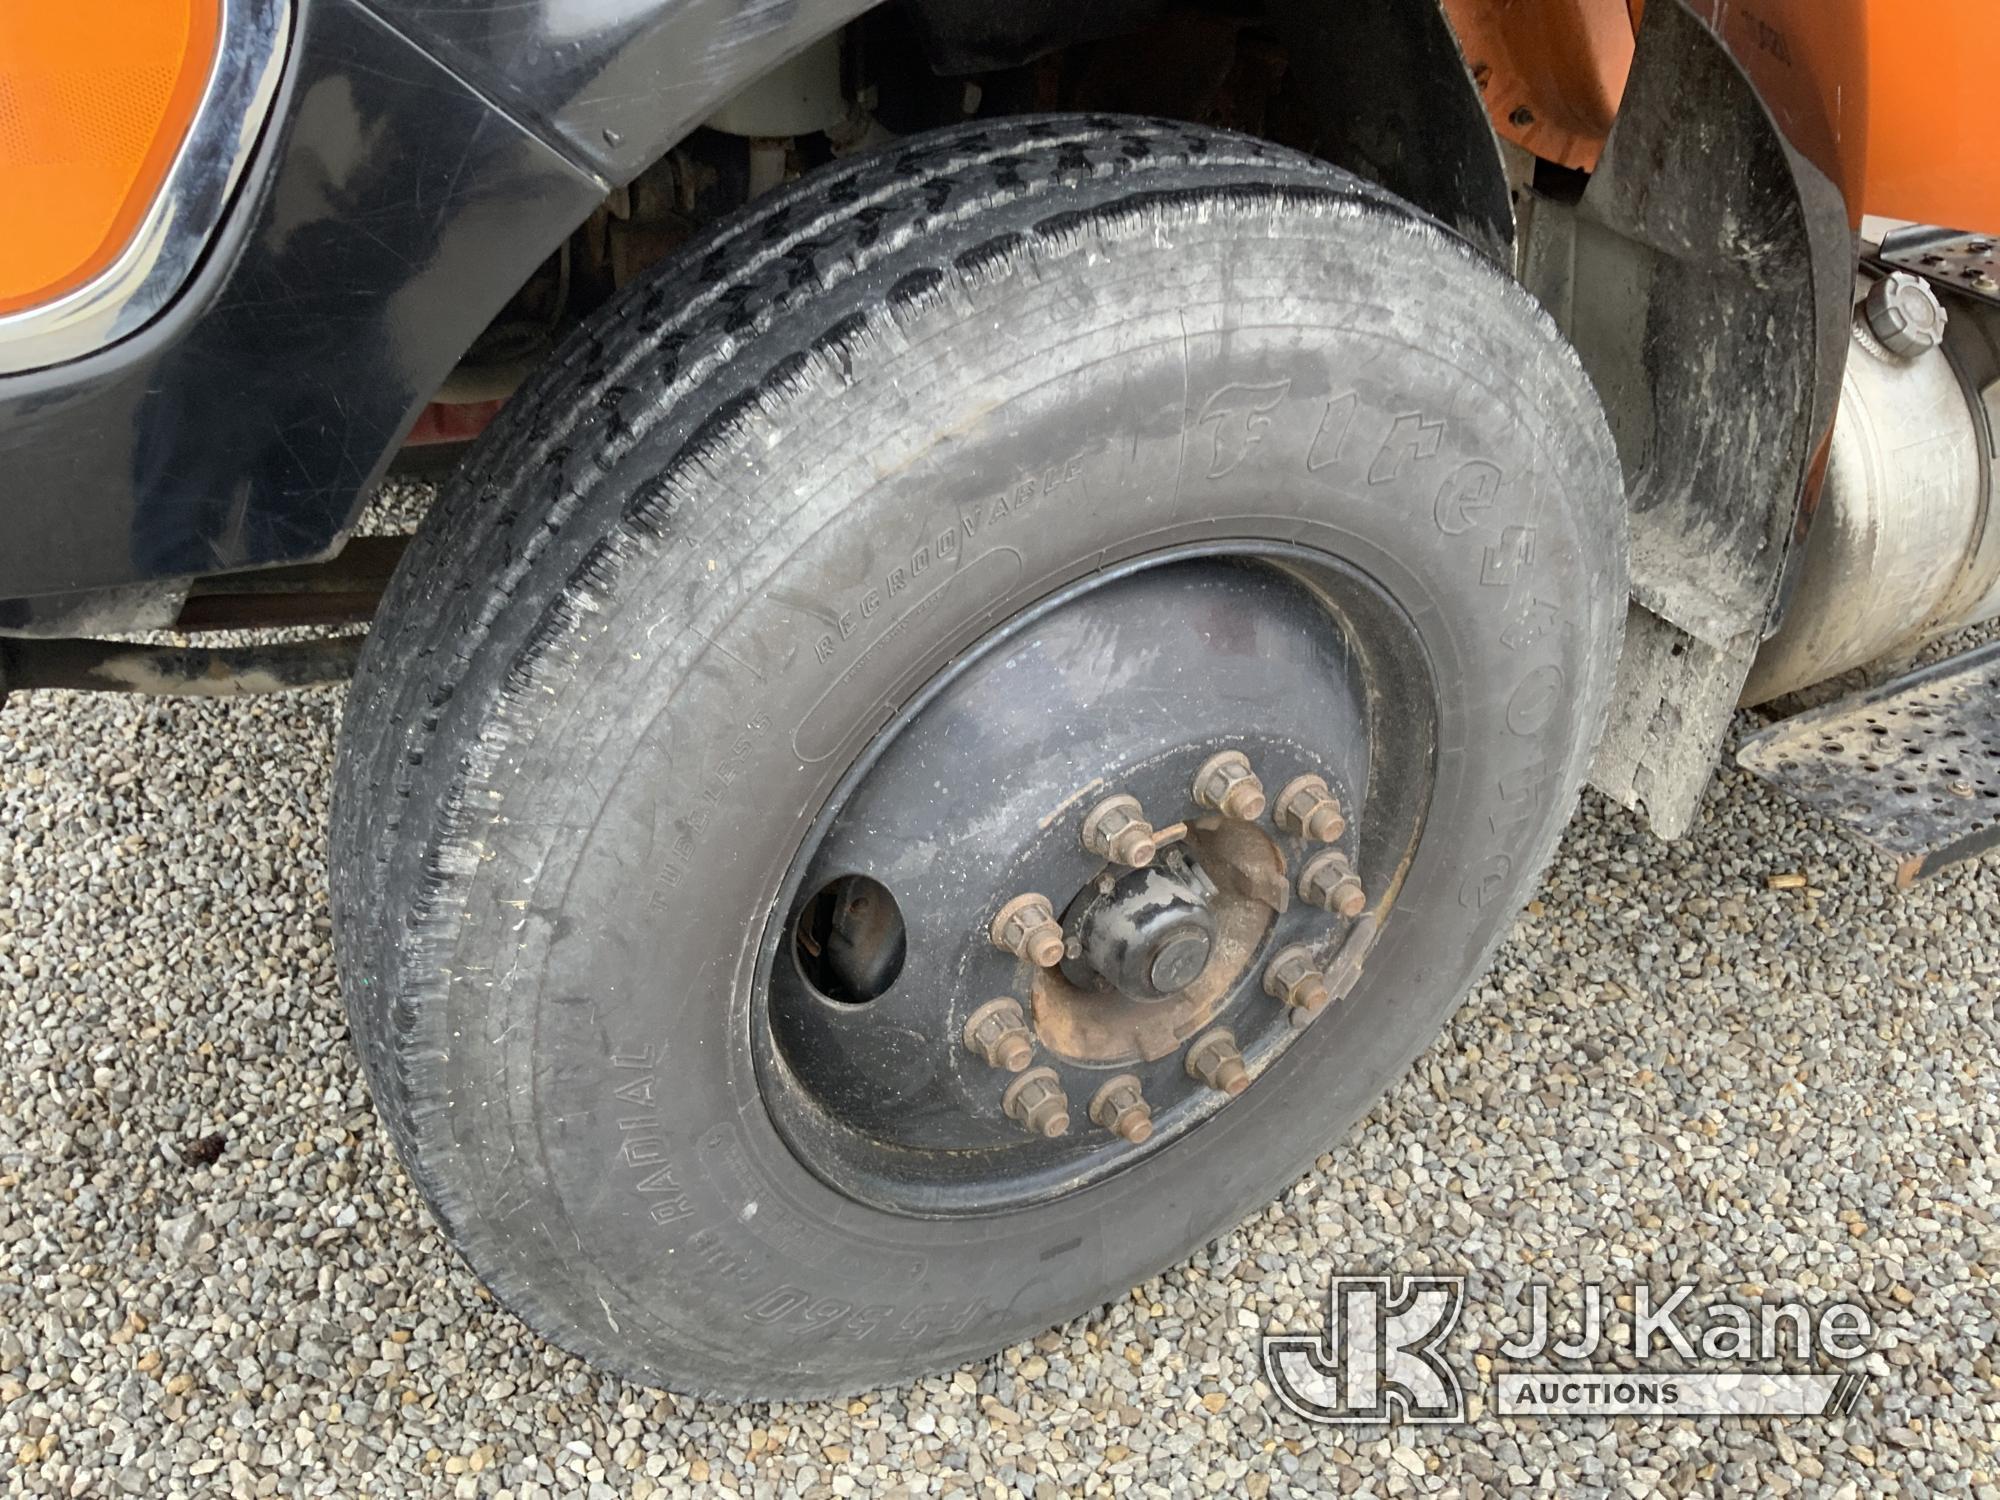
[129, 607]
[339, 593]
[176, 671]
[799, 96]
[1912, 767]
[959, 39]
[1907, 497]
[343, 590]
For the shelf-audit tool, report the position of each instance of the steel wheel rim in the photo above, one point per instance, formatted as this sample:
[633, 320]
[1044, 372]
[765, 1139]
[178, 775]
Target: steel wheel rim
[849, 1135]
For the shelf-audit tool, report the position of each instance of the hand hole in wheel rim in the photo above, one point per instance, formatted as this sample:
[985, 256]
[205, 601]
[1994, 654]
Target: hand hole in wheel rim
[973, 794]
[849, 939]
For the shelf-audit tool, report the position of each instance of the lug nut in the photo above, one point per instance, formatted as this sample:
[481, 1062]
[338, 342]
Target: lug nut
[1330, 883]
[1308, 809]
[1121, 1109]
[1036, 1102]
[1215, 1061]
[1027, 928]
[1295, 978]
[998, 1032]
[1116, 829]
[1226, 784]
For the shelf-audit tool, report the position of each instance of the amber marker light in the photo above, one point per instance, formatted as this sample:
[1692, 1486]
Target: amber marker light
[96, 100]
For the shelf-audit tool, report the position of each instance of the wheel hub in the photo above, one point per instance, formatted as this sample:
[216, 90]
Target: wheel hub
[1087, 1017]
[1147, 934]
[1107, 927]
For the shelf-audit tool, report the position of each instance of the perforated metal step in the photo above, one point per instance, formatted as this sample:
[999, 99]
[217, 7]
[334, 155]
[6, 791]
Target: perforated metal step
[1913, 767]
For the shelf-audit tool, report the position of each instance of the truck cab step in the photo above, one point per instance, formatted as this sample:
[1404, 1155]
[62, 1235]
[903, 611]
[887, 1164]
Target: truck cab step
[1912, 766]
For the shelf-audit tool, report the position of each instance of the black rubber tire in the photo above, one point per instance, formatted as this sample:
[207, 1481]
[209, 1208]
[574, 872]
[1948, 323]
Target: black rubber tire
[575, 765]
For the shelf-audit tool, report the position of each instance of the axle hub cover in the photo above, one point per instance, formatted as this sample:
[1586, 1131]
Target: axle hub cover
[1150, 935]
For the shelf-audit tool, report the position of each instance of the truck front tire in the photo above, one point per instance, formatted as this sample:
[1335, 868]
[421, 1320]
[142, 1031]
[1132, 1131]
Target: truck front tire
[860, 556]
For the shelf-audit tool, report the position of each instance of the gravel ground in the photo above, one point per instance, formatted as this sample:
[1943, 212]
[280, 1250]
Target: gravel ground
[217, 1280]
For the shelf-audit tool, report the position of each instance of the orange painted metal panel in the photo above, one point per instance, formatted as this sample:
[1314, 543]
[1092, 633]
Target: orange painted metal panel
[96, 97]
[1550, 71]
[1932, 149]
[1894, 102]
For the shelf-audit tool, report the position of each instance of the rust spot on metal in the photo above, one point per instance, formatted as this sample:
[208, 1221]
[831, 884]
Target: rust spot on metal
[1104, 1026]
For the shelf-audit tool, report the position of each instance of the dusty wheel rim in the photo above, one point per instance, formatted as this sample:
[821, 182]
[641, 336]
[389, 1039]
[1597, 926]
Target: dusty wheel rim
[1126, 684]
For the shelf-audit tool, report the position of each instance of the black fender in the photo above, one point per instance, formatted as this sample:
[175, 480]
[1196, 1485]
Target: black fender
[422, 160]
[419, 163]
[1391, 96]
[1395, 102]
[612, 87]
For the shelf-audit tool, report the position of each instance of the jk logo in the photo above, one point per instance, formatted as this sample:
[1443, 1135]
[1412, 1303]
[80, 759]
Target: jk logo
[1378, 1356]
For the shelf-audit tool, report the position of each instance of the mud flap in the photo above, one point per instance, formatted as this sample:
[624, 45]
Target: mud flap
[1704, 278]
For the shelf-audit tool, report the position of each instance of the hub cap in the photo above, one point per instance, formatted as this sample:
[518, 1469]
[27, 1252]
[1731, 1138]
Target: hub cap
[1096, 881]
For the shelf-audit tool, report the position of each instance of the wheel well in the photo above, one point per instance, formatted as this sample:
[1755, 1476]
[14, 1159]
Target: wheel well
[1381, 90]
[1715, 347]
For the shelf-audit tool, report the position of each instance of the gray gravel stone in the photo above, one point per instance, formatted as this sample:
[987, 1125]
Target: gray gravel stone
[216, 1279]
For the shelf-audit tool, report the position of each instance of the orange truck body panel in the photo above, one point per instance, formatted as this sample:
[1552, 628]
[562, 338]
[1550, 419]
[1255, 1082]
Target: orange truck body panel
[1550, 73]
[1933, 75]
[1892, 101]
